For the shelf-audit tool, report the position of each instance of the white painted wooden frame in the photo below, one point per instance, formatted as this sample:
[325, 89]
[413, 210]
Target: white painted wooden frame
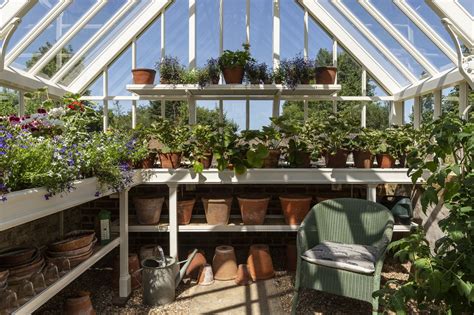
[11, 9]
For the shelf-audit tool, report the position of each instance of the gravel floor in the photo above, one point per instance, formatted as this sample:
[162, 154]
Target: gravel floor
[311, 302]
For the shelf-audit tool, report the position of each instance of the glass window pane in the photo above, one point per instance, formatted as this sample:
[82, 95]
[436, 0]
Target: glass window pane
[468, 5]
[149, 46]
[234, 111]
[207, 112]
[427, 108]
[120, 114]
[318, 40]
[234, 24]
[120, 74]
[177, 30]
[260, 113]
[292, 29]
[8, 102]
[207, 31]
[96, 88]
[377, 115]
[148, 112]
[261, 30]
[408, 111]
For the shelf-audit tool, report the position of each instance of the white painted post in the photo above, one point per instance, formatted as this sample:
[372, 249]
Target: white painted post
[276, 105]
[363, 112]
[305, 109]
[372, 193]
[173, 214]
[306, 45]
[134, 114]
[247, 40]
[162, 42]
[463, 97]
[125, 283]
[334, 63]
[417, 112]
[163, 109]
[437, 96]
[192, 110]
[21, 103]
[192, 34]
[221, 112]
[134, 66]
[276, 34]
[247, 114]
[396, 113]
[105, 88]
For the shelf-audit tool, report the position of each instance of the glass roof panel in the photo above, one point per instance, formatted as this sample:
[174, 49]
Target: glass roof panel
[413, 34]
[82, 37]
[261, 30]
[177, 31]
[318, 39]
[291, 29]
[468, 5]
[234, 24]
[207, 31]
[148, 46]
[120, 73]
[52, 33]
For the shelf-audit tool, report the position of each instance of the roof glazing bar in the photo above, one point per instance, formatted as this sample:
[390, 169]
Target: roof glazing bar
[53, 51]
[399, 37]
[14, 9]
[375, 41]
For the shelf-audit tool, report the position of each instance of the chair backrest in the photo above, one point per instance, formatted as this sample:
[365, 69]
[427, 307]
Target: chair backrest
[351, 221]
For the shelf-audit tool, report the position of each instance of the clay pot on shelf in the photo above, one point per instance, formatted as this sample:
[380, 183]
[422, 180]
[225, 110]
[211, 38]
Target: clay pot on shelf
[385, 160]
[291, 256]
[253, 209]
[73, 241]
[337, 160]
[80, 304]
[4, 279]
[303, 159]
[271, 161]
[260, 262]
[295, 208]
[185, 210]
[206, 161]
[148, 209]
[133, 270]
[217, 210]
[148, 162]
[143, 76]
[233, 75]
[363, 159]
[170, 160]
[206, 276]
[224, 263]
[17, 255]
[243, 275]
[326, 75]
[402, 161]
[198, 262]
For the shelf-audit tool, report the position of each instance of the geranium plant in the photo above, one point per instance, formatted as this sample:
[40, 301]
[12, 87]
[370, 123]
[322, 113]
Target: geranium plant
[171, 70]
[203, 140]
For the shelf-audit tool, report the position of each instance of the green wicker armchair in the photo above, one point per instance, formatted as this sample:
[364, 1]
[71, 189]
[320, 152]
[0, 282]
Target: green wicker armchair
[349, 221]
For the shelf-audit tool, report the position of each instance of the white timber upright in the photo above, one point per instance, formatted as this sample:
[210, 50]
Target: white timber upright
[276, 52]
[437, 97]
[125, 287]
[417, 112]
[363, 112]
[173, 213]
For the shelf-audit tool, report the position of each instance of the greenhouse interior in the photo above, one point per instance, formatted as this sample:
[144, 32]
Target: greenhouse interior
[236, 157]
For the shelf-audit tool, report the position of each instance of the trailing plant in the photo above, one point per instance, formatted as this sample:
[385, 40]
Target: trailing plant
[195, 76]
[258, 73]
[278, 75]
[297, 70]
[203, 140]
[171, 70]
[233, 59]
[441, 280]
[173, 137]
[213, 69]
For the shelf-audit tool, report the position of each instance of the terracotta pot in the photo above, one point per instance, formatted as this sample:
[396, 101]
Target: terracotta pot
[148, 209]
[291, 257]
[149, 162]
[253, 209]
[206, 276]
[217, 210]
[363, 159]
[233, 75]
[198, 262]
[271, 161]
[295, 208]
[28, 268]
[73, 260]
[243, 275]
[402, 160]
[170, 160]
[185, 211]
[73, 240]
[143, 76]
[206, 160]
[337, 160]
[147, 251]
[260, 262]
[133, 270]
[303, 159]
[75, 252]
[4, 278]
[79, 304]
[16, 255]
[326, 75]
[385, 161]
[215, 80]
[224, 265]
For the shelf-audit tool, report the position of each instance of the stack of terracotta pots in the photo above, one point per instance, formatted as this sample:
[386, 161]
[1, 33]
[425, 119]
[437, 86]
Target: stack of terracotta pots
[79, 304]
[76, 246]
[148, 209]
[19, 264]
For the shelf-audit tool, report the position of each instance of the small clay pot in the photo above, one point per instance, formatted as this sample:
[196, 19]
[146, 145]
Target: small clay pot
[170, 160]
[253, 209]
[260, 262]
[143, 76]
[185, 211]
[206, 161]
[133, 270]
[233, 75]
[196, 264]
[295, 208]
[148, 162]
[385, 161]
[291, 257]
[224, 263]
[206, 276]
[363, 159]
[148, 209]
[271, 161]
[243, 275]
[80, 304]
[217, 210]
[303, 159]
[325, 75]
[337, 160]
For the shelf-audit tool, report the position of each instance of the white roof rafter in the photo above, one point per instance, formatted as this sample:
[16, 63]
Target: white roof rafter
[375, 41]
[376, 70]
[119, 43]
[58, 46]
[398, 36]
[14, 9]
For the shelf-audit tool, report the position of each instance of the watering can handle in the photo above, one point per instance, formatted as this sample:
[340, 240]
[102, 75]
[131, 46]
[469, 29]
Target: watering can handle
[182, 271]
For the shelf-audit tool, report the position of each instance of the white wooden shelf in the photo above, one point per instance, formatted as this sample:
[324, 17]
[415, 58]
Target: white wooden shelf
[231, 91]
[54, 289]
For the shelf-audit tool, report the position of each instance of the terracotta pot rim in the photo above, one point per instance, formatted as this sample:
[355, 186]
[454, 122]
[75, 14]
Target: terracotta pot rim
[217, 199]
[187, 200]
[143, 69]
[253, 198]
[147, 198]
[225, 248]
[295, 197]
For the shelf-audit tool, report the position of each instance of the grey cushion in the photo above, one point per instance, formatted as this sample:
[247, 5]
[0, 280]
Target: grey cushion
[351, 257]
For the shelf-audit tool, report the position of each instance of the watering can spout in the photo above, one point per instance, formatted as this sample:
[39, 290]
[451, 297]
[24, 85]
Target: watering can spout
[182, 271]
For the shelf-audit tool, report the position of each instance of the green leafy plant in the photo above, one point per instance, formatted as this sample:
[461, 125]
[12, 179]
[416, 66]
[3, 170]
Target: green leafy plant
[258, 73]
[233, 59]
[297, 70]
[297, 144]
[202, 143]
[213, 69]
[173, 137]
[441, 281]
[171, 70]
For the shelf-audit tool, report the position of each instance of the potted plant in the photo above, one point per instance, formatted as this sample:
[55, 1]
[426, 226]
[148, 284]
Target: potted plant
[278, 75]
[195, 76]
[143, 76]
[213, 69]
[170, 69]
[364, 144]
[232, 64]
[297, 149]
[403, 140]
[203, 139]
[297, 70]
[325, 74]
[336, 143]
[257, 73]
[142, 155]
[271, 138]
[386, 150]
[172, 138]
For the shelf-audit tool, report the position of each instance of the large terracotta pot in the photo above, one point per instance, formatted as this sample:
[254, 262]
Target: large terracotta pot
[170, 160]
[363, 159]
[206, 160]
[148, 209]
[233, 75]
[185, 210]
[143, 76]
[291, 257]
[295, 208]
[271, 161]
[326, 75]
[243, 275]
[260, 262]
[133, 270]
[217, 210]
[224, 263]
[198, 262]
[385, 161]
[148, 162]
[79, 304]
[337, 160]
[253, 209]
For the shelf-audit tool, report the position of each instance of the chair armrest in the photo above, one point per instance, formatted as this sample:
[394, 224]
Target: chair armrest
[307, 235]
[385, 239]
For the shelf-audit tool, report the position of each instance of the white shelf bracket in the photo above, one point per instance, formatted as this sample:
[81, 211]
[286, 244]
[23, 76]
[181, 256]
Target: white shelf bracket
[5, 36]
